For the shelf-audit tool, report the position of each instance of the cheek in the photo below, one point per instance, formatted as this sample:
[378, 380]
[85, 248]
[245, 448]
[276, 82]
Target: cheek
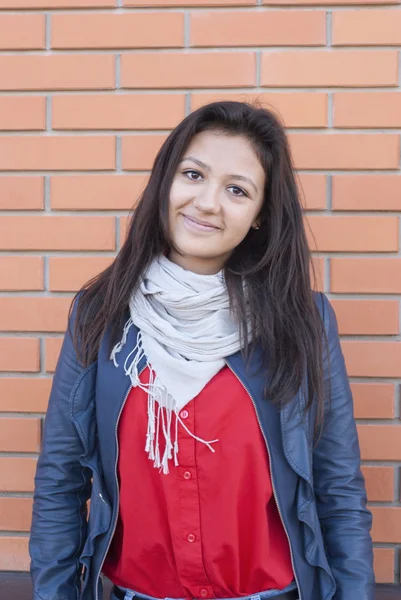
[178, 195]
[239, 222]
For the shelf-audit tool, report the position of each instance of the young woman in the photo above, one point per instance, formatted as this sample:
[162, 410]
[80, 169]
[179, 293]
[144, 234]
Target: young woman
[201, 400]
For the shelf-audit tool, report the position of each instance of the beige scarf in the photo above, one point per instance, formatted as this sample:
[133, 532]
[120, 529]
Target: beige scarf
[185, 332]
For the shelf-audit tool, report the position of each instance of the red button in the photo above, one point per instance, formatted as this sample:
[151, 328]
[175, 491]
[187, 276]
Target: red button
[204, 593]
[184, 414]
[187, 475]
[191, 537]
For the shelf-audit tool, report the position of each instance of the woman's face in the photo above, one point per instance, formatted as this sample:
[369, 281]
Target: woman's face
[215, 198]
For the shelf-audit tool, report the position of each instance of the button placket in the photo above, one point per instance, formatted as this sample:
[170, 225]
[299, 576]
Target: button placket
[189, 554]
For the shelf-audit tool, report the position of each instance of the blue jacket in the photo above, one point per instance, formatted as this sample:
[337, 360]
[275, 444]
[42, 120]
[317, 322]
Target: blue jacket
[319, 489]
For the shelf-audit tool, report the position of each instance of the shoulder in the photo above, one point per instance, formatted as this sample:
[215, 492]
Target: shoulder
[69, 360]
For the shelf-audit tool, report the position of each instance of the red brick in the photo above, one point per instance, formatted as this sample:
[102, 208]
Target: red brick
[183, 70]
[367, 109]
[19, 354]
[15, 514]
[22, 112]
[366, 275]
[324, 2]
[267, 28]
[345, 151]
[127, 111]
[366, 317]
[25, 394]
[372, 359]
[373, 400]
[43, 4]
[77, 153]
[384, 565]
[379, 483]
[69, 274]
[57, 233]
[380, 442]
[19, 435]
[19, 273]
[325, 68]
[34, 313]
[312, 188]
[22, 32]
[191, 3]
[386, 524]
[353, 234]
[57, 72]
[124, 224]
[17, 474]
[21, 192]
[96, 192]
[367, 192]
[125, 30]
[139, 151]
[366, 27]
[14, 555]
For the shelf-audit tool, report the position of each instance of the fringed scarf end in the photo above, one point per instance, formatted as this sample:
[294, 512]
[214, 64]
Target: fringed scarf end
[160, 417]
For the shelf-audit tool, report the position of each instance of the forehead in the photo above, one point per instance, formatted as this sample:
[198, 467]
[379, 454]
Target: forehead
[225, 153]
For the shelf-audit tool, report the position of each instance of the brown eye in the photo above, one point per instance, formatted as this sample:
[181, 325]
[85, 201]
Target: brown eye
[237, 191]
[190, 174]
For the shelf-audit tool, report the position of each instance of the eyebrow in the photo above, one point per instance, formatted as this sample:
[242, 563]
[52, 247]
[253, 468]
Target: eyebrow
[233, 176]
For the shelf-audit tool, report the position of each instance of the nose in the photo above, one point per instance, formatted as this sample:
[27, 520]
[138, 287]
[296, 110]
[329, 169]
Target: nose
[208, 200]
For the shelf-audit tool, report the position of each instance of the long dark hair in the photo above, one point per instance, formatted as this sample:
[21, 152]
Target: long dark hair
[274, 261]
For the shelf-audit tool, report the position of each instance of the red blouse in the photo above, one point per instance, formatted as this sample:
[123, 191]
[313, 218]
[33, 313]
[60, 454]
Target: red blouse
[210, 528]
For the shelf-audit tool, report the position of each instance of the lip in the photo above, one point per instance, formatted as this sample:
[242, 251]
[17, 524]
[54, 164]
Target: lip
[198, 225]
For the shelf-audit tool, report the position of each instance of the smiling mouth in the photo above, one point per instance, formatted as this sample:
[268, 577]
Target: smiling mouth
[199, 225]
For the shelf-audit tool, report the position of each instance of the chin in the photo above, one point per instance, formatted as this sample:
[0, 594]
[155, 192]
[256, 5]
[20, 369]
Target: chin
[188, 249]
[193, 246]
[192, 254]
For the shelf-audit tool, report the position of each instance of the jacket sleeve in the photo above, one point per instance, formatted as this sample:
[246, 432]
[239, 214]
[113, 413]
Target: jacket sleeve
[62, 488]
[338, 482]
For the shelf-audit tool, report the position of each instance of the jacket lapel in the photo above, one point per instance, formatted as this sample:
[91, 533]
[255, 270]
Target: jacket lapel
[112, 388]
[290, 420]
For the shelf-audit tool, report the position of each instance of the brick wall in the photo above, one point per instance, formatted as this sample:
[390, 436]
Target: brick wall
[89, 89]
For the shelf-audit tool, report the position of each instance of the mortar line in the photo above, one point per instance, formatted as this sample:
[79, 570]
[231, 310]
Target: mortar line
[330, 110]
[329, 28]
[47, 32]
[187, 29]
[118, 234]
[258, 66]
[42, 357]
[213, 49]
[327, 275]
[118, 155]
[118, 73]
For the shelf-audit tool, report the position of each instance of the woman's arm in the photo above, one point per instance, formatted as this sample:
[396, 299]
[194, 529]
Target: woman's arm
[338, 483]
[62, 488]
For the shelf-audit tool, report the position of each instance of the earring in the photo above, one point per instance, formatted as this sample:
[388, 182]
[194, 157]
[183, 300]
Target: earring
[257, 227]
